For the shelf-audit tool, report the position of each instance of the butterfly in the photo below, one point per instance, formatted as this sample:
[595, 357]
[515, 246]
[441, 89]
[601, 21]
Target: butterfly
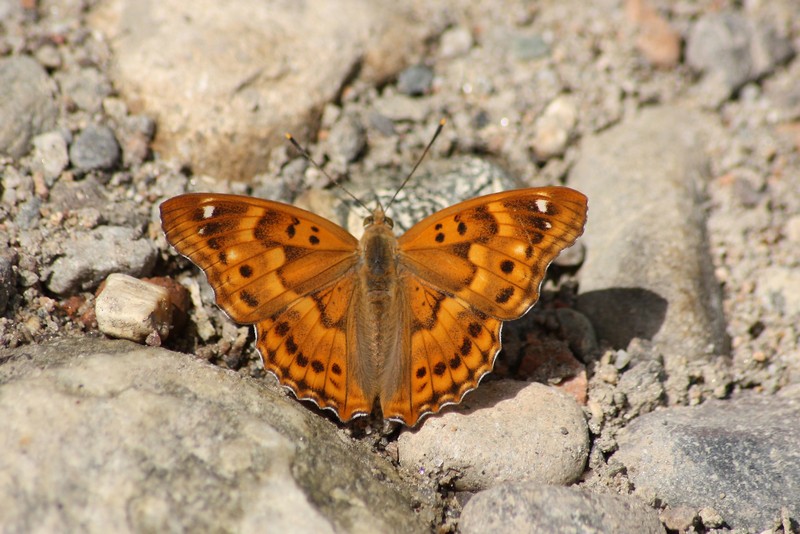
[409, 323]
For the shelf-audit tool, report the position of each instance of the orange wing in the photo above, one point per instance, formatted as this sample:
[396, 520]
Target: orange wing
[259, 256]
[288, 271]
[465, 270]
[492, 252]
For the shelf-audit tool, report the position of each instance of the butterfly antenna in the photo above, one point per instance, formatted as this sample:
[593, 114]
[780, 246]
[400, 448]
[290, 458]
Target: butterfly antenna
[306, 155]
[424, 153]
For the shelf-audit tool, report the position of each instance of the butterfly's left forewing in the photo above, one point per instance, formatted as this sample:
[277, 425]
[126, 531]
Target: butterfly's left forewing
[258, 255]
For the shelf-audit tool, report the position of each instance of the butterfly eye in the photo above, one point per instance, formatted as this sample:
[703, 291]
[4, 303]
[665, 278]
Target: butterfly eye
[389, 222]
[369, 221]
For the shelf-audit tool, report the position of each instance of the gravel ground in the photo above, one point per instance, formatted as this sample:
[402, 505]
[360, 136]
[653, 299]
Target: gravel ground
[90, 144]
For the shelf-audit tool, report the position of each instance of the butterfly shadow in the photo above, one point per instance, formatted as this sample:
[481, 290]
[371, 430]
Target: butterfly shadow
[620, 314]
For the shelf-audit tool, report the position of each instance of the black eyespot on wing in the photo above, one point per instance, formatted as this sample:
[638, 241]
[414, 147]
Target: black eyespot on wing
[504, 295]
[282, 328]
[248, 299]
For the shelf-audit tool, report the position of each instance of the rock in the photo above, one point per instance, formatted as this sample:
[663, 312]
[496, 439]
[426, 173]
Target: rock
[656, 39]
[347, 140]
[85, 87]
[554, 128]
[129, 308]
[27, 107]
[529, 47]
[248, 81]
[504, 431]
[732, 50]
[738, 457]
[89, 257]
[50, 155]
[779, 290]
[415, 81]
[94, 148]
[648, 271]
[159, 441]
[455, 42]
[526, 507]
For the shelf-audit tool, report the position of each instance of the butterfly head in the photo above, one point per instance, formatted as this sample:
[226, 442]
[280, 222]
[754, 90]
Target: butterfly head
[378, 217]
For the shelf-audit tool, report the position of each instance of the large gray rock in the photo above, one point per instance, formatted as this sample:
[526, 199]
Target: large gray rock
[740, 457]
[102, 436]
[225, 81]
[648, 271]
[27, 105]
[530, 507]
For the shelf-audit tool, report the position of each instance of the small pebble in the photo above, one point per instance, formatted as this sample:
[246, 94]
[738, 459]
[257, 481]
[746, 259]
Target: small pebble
[129, 308]
[94, 148]
[415, 81]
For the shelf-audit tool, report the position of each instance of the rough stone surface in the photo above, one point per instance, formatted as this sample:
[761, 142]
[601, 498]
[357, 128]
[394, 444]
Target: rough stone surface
[648, 272]
[89, 257]
[504, 431]
[716, 455]
[150, 440]
[227, 74]
[526, 507]
[27, 107]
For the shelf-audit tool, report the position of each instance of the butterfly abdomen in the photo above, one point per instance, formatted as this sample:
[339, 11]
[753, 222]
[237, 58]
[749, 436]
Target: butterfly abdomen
[379, 325]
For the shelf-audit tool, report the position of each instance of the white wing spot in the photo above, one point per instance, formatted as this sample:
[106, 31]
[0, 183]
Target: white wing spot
[208, 212]
[547, 225]
[541, 205]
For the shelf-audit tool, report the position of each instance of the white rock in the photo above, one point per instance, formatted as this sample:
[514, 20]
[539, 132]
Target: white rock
[50, 154]
[505, 431]
[554, 128]
[129, 308]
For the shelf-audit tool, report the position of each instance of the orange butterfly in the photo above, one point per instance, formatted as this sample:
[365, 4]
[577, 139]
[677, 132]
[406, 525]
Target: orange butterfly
[411, 323]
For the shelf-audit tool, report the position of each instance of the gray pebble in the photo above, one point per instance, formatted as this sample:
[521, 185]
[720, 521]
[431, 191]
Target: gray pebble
[94, 148]
[382, 123]
[89, 257]
[86, 87]
[415, 81]
[27, 106]
[28, 215]
[529, 47]
[732, 50]
[347, 140]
